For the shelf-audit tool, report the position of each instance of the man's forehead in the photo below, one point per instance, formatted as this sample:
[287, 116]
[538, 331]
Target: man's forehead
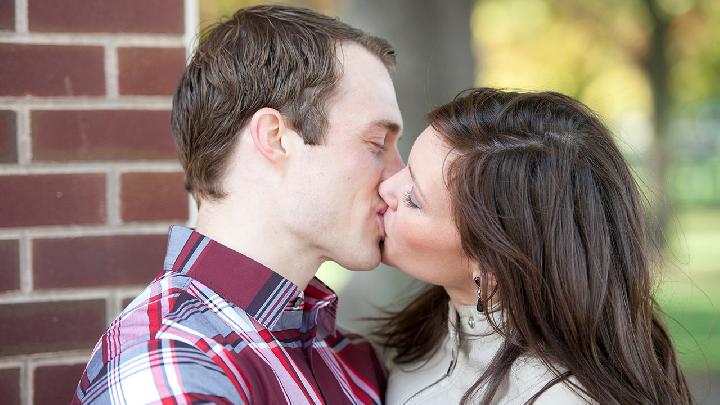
[362, 72]
[365, 96]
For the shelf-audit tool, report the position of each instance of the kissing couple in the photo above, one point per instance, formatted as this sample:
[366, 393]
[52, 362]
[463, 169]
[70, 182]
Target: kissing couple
[516, 208]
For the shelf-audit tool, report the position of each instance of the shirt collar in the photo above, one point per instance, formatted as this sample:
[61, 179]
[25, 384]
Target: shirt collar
[254, 288]
[257, 290]
[321, 299]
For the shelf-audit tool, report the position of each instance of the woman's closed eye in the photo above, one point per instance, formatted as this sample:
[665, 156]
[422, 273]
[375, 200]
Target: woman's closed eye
[407, 199]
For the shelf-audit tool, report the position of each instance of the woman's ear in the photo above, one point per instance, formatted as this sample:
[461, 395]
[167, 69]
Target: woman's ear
[487, 282]
[475, 269]
[267, 127]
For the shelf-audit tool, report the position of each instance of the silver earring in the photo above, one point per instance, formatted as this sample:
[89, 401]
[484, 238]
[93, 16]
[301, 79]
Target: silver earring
[480, 307]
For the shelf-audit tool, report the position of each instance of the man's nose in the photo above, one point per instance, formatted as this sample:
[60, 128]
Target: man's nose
[394, 165]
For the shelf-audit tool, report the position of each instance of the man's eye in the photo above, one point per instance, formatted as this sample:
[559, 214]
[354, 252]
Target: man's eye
[379, 146]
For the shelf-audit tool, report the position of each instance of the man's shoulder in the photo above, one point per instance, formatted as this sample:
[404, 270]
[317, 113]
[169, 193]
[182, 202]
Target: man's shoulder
[175, 322]
[346, 338]
[173, 307]
[358, 351]
[158, 370]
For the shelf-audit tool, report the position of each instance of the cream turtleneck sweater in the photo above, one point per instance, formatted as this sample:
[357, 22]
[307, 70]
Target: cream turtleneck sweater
[460, 361]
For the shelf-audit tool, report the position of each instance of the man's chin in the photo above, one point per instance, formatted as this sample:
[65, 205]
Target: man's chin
[385, 257]
[368, 258]
[362, 263]
[364, 266]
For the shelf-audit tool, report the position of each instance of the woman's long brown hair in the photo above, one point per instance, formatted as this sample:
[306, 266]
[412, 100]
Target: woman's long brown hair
[545, 202]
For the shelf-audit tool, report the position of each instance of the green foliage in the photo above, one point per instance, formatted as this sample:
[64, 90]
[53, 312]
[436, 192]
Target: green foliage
[595, 50]
[689, 290]
[696, 183]
[589, 50]
[693, 317]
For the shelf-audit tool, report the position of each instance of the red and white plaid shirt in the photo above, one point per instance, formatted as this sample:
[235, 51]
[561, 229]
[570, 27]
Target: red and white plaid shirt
[218, 327]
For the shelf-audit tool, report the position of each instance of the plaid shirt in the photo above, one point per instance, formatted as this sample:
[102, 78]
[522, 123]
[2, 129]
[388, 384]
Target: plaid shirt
[218, 327]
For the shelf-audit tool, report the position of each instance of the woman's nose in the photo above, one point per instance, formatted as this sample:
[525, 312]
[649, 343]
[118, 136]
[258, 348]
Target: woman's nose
[387, 191]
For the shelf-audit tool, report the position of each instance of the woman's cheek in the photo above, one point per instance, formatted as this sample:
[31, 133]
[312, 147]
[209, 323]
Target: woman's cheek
[432, 252]
[420, 243]
[411, 233]
[426, 236]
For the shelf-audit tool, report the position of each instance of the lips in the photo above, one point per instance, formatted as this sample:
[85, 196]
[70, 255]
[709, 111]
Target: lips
[382, 210]
[386, 218]
[381, 220]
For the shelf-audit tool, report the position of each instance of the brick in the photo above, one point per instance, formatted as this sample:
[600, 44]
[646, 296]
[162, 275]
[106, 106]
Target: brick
[157, 16]
[153, 197]
[7, 15]
[56, 384]
[52, 199]
[9, 265]
[10, 386]
[97, 261]
[41, 327]
[50, 70]
[101, 135]
[8, 136]
[150, 71]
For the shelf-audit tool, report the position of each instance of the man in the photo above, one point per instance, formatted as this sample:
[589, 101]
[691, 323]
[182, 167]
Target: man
[285, 122]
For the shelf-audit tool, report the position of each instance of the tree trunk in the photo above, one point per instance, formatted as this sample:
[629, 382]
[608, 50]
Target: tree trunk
[656, 66]
[435, 61]
[432, 41]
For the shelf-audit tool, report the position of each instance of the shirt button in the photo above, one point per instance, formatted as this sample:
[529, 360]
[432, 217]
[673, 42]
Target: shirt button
[471, 322]
[298, 302]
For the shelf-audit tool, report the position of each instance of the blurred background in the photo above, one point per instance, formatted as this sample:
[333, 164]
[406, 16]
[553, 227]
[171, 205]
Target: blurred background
[101, 153]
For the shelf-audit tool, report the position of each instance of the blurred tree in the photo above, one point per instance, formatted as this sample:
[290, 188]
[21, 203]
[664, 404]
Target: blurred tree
[434, 52]
[434, 63]
[641, 63]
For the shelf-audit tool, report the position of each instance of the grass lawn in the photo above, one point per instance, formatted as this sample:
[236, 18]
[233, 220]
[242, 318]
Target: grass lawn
[689, 290]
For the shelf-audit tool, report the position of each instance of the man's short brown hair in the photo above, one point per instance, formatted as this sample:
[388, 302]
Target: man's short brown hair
[272, 56]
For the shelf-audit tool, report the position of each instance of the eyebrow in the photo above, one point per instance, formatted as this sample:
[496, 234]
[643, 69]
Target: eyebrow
[390, 125]
[417, 185]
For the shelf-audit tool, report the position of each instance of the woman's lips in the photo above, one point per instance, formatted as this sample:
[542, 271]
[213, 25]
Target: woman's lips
[381, 225]
[381, 220]
[386, 219]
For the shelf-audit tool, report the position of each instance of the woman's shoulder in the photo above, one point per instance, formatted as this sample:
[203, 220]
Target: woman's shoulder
[528, 375]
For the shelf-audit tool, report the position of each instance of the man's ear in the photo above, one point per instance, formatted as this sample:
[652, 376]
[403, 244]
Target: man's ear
[267, 127]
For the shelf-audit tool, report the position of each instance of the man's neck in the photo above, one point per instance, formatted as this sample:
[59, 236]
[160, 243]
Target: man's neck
[251, 233]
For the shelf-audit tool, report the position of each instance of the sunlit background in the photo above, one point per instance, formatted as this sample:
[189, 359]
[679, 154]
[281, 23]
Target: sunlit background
[650, 68]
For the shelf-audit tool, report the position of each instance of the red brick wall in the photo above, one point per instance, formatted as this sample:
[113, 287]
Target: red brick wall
[89, 181]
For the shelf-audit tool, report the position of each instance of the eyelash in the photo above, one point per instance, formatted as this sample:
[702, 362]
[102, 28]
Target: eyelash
[408, 201]
[379, 146]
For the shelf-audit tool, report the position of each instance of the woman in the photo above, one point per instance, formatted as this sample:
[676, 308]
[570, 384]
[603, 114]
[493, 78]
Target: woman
[521, 211]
